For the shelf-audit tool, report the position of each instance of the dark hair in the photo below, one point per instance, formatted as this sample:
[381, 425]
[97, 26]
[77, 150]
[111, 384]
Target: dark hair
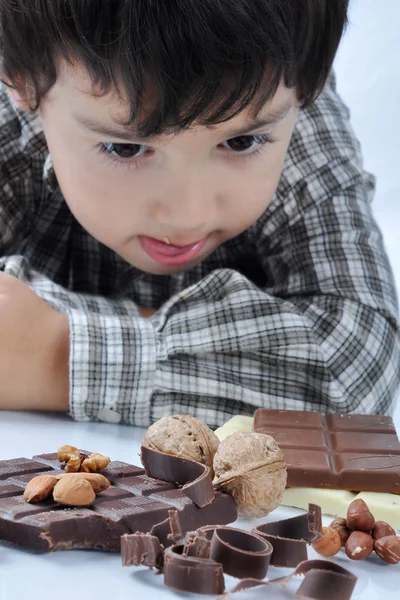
[207, 60]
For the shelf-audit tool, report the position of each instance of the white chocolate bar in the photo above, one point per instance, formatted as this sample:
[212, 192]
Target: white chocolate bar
[384, 507]
[236, 423]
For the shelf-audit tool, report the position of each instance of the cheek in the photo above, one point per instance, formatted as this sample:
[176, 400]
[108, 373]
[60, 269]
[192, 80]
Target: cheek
[252, 190]
[97, 195]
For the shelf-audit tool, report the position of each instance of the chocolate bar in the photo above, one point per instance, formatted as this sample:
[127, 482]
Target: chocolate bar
[133, 502]
[348, 452]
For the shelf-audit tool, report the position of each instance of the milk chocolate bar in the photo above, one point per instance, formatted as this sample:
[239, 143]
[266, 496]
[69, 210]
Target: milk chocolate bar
[349, 452]
[133, 502]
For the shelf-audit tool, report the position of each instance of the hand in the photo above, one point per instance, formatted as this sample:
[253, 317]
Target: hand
[147, 312]
[34, 350]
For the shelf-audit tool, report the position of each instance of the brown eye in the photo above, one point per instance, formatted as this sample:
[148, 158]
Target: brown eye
[243, 144]
[124, 150]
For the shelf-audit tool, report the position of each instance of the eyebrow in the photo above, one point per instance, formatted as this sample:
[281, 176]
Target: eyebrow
[130, 134]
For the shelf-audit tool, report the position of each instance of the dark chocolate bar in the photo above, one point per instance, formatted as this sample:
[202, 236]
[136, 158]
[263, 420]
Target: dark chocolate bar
[350, 452]
[133, 502]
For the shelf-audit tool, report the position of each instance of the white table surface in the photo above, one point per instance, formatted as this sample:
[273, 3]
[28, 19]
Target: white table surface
[368, 78]
[83, 574]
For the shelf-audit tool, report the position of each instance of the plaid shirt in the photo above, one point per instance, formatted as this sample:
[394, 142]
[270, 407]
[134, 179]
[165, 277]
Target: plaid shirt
[297, 312]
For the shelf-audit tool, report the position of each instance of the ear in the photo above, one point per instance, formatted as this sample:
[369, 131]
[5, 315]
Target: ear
[22, 93]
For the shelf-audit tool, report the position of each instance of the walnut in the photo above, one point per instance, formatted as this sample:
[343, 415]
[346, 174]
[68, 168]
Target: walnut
[72, 457]
[183, 436]
[76, 461]
[250, 467]
[95, 462]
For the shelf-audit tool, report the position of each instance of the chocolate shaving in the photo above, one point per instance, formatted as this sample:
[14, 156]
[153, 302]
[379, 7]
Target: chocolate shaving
[192, 574]
[290, 537]
[147, 549]
[195, 477]
[323, 580]
[196, 544]
[169, 531]
[198, 565]
[241, 553]
[141, 549]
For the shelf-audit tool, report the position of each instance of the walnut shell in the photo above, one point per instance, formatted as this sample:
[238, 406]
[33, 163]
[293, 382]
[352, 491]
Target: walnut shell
[183, 436]
[251, 468]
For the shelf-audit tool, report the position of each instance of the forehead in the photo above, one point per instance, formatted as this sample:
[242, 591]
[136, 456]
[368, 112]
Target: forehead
[76, 92]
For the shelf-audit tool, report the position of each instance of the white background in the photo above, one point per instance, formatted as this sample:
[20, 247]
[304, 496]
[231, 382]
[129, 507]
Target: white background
[368, 71]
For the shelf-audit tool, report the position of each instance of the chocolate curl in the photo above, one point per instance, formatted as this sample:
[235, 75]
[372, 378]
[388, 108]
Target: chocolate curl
[195, 477]
[241, 553]
[192, 574]
[290, 537]
[323, 580]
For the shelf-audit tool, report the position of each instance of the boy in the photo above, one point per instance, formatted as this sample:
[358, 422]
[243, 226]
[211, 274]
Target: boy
[185, 220]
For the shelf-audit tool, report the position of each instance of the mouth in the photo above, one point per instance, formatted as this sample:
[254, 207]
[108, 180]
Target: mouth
[168, 254]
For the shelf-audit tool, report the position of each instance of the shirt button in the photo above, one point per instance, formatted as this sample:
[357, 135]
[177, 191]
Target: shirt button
[108, 415]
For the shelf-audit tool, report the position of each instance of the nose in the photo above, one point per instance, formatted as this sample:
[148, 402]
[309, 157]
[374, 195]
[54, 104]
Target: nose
[188, 206]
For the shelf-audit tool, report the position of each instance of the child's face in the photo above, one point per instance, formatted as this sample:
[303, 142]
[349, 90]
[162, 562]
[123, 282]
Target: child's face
[197, 189]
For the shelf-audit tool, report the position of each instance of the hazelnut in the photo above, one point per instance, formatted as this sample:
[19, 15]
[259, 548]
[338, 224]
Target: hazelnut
[183, 436]
[39, 488]
[340, 526]
[359, 545]
[388, 549]
[359, 516]
[250, 467]
[382, 529]
[329, 544]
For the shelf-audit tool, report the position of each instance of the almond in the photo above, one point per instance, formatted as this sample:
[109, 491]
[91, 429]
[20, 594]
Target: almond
[73, 490]
[39, 488]
[98, 482]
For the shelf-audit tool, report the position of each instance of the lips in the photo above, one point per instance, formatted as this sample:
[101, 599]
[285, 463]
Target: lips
[168, 254]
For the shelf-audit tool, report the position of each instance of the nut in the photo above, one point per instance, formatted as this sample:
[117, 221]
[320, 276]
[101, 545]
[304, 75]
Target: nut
[329, 544]
[39, 488]
[388, 549]
[94, 462]
[73, 490]
[65, 452]
[74, 463]
[72, 457]
[250, 467]
[359, 516]
[98, 482]
[359, 545]
[340, 526]
[382, 529]
[183, 436]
